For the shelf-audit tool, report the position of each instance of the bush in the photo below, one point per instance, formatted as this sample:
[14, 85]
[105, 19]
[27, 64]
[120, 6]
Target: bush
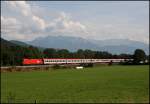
[56, 66]
[87, 65]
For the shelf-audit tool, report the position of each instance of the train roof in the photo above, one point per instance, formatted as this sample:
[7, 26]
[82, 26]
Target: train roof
[80, 58]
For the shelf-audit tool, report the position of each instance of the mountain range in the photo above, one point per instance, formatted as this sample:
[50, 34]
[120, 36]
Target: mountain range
[114, 46]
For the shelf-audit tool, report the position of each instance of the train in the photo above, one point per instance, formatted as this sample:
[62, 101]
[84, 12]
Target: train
[52, 61]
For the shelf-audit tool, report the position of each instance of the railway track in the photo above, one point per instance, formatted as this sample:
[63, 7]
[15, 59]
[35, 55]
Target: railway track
[31, 66]
[26, 68]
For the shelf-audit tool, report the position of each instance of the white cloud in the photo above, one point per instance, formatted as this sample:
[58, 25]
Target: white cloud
[32, 26]
[26, 10]
[10, 27]
[40, 22]
[8, 21]
[9, 24]
[64, 24]
[20, 5]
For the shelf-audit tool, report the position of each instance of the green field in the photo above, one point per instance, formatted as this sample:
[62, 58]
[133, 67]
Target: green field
[103, 84]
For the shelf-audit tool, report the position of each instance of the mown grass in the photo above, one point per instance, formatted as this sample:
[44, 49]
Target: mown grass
[106, 84]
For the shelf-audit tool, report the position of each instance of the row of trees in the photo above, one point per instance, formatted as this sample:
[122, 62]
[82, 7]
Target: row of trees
[13, 55]
[85, 54]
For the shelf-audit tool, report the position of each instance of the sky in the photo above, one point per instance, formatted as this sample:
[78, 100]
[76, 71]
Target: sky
[100, 20]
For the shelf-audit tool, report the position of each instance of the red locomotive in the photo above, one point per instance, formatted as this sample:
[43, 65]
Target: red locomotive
[32, 61]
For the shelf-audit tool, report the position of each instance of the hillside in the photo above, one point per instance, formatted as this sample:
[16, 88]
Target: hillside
[7, 43]
[19, 43]
[13, 54]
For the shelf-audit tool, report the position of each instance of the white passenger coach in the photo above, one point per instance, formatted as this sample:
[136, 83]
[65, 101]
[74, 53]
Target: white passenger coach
[79, 61]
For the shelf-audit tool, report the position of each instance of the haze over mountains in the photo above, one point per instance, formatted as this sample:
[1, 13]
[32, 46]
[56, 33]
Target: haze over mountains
[115, 46]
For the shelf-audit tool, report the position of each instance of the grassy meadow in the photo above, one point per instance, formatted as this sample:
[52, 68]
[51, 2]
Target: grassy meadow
[101, 84]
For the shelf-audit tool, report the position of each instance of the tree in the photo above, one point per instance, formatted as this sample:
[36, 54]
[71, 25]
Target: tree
[125, 56]
[88, 54]
[50, 53]
[139, 55]
[63, 53]
[80, 53]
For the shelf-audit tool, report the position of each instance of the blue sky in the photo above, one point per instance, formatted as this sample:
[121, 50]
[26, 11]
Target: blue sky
[27, 20]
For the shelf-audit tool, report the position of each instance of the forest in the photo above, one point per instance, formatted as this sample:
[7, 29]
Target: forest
[13, 54]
